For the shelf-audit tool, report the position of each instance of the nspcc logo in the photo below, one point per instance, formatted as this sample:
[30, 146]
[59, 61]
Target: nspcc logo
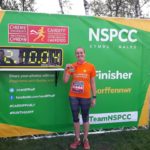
[108, 35]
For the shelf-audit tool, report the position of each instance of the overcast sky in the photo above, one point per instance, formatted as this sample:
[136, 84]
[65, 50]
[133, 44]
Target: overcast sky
[52, 6]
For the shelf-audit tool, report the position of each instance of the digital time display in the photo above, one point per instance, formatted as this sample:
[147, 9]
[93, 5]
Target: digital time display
[30, 57]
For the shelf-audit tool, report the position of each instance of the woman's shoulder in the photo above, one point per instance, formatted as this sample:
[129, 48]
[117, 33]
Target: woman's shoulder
[89, 64]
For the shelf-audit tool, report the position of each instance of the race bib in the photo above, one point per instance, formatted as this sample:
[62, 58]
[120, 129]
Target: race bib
[77, 87]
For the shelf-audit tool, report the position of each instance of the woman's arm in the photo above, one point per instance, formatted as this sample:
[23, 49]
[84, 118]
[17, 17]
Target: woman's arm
[93, 88]
[66, 75]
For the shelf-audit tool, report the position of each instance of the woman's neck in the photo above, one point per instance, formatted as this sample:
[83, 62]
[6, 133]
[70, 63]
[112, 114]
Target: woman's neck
[81, 62]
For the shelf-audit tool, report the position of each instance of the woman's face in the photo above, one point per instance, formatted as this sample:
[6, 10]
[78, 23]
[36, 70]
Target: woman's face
[80, 54]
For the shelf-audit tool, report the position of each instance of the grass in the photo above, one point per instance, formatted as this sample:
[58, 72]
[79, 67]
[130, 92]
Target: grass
[125, 140]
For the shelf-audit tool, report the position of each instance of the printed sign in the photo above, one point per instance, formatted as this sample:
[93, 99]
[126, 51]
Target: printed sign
[38, 34]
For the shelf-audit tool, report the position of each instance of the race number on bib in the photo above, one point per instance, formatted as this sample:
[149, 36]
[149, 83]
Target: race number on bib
[77, 87]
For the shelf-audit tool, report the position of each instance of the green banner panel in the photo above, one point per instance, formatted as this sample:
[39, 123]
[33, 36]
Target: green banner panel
[36, 101]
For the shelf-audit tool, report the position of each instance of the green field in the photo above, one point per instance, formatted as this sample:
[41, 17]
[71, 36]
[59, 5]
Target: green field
[125, 140]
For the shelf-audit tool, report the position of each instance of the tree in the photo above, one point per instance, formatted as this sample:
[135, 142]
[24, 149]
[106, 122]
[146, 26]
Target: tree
[64, 5]
[26, 5]
[118, 8]
[86, 7]
[98, 8]
[9, 5]
[0, 3]
[23, 5]
[142, 4]
[61, 6]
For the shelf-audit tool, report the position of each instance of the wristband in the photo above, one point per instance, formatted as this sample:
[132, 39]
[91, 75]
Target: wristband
[94, 96]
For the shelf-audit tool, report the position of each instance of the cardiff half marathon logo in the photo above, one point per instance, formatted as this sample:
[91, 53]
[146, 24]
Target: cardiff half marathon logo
[25, 33]
[39, 34]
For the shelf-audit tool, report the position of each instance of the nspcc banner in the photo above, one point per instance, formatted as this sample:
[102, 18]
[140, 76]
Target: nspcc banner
[36, 101]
